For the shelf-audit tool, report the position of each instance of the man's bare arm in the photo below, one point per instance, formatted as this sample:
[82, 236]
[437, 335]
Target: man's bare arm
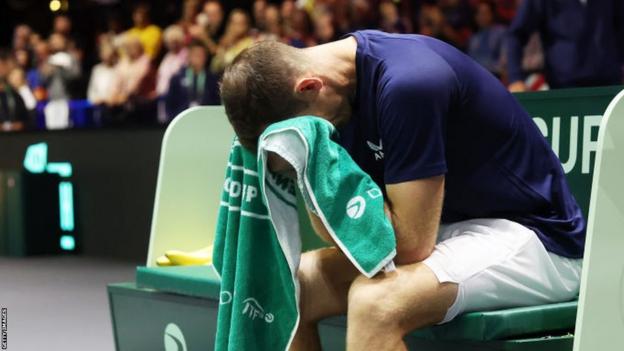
[415, 208]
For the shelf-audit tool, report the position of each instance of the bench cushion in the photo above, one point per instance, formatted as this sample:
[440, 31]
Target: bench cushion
[202, 281]
[196, 281]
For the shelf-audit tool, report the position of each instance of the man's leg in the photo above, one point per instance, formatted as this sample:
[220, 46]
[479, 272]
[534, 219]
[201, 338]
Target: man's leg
[325, 276]
[382, 310]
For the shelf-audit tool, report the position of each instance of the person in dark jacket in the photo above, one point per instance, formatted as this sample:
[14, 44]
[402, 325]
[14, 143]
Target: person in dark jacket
[193, 85]
[582, 41]
[13, 113]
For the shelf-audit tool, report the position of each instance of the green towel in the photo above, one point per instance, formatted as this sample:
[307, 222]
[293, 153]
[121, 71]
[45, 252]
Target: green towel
[257, 307]
[345, 198]
[257, 246]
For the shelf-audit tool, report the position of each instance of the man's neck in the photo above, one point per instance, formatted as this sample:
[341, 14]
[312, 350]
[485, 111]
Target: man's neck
[336, 62]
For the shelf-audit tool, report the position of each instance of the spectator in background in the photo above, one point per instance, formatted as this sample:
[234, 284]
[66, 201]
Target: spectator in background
[190, 10]
[173, 61]
[34, 76]
[194, 84]
[61, 68]
[63, 26]
[259, 11]
[21, 37]
[235, 39]
[487, 43]
[59, 72]
[134, 94]
[103, 76]
[390, 20]
[209, 28]
[149, 34]
[17, 80]
[272, 24]
[300, 32]
[582, 41]
[324, 28]
[457, 22]
[13, 114]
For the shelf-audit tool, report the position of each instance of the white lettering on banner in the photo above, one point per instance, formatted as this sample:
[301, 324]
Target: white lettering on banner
[571, 162]
[541, 124]
[253, 310]
[588, 144]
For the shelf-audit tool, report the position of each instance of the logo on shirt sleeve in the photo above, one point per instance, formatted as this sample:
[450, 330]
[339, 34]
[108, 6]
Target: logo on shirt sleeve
[377, 150]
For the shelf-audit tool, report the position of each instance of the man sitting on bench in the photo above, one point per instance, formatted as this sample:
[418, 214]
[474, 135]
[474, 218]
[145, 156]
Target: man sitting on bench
[483, 216]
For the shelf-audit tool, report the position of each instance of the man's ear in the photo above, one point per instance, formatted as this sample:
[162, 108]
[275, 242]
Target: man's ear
[309, 86]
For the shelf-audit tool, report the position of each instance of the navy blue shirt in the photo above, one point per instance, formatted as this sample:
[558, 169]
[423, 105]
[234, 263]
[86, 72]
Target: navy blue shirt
[423, 109]
[583, 43]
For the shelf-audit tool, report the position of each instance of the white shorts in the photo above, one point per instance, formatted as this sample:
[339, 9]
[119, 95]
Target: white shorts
[499, 264]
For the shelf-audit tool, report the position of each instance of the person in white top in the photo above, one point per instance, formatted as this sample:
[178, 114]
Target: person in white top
[174, 60]
[103, 75]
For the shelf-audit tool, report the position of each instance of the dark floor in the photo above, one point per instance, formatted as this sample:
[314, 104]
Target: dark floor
[59, 303]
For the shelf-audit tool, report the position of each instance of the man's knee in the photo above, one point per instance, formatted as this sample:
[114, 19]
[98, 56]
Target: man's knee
[371, 302]
[389, 302]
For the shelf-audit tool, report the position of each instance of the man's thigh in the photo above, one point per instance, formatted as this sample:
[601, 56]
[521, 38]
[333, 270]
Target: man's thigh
[497, 264]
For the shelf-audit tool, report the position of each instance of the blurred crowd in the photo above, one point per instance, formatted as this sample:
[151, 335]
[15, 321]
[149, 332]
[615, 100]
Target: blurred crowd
[148, 73]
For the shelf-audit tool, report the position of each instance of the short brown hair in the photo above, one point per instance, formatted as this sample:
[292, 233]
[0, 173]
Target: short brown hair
[258, 89]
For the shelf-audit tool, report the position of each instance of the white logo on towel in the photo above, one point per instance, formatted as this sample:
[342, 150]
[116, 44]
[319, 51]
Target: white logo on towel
[377, 149]
[174, 339]
[253, 310]
[356, 207]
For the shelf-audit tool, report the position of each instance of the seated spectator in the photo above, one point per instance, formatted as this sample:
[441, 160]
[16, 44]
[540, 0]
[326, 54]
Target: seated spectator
[149, 34]
[486, 45]
[235, 39]
[173, 61]
[193, 85]
[13, 114]
[103, 76]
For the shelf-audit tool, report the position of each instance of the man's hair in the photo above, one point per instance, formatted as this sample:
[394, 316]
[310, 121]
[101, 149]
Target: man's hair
[257, 89]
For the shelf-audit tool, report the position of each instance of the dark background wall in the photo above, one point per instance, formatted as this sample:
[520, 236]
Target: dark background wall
[114, 177]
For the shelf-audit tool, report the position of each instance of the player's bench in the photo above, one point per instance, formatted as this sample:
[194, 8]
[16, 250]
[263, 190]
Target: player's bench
[181, 302]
